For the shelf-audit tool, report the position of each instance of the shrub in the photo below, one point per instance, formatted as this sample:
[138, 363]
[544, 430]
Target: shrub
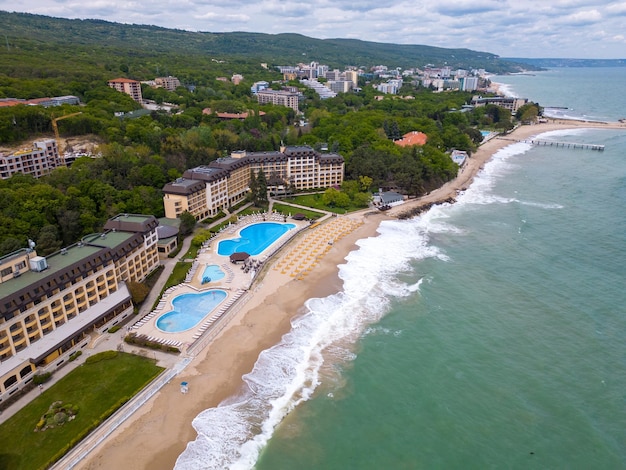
[41, 378]
[75, 355]
[138, 291]
[115, 328]
[103, 356]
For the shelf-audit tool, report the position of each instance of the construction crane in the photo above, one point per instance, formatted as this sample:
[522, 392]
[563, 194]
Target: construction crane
[56, 127]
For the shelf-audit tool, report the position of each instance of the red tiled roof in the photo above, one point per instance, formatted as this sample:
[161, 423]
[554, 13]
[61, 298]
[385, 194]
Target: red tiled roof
[38, 100]
[412, 138]
[12, 103]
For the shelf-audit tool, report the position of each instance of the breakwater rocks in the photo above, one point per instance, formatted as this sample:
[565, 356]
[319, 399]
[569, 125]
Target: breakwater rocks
[417, 210]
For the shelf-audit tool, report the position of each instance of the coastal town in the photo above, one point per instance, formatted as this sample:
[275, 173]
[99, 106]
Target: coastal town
[233, 247]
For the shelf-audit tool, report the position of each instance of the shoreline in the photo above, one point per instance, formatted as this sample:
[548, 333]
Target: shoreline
[158, 433]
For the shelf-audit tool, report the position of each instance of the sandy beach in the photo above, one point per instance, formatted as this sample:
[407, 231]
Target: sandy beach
[155, 436]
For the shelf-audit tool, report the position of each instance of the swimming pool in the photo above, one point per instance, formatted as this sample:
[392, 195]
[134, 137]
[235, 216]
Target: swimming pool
[254, 238]
[189, 310]
[485, 133]
[212, 272]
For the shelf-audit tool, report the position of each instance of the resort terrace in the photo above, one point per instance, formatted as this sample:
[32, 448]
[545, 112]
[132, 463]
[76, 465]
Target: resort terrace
[235, 282]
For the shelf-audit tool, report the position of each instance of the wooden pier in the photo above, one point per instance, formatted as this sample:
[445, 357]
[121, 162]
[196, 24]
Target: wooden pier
[551, 143]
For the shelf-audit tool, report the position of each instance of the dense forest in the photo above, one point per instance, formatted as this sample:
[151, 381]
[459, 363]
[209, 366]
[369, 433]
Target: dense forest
[141, 151]
[277, 49]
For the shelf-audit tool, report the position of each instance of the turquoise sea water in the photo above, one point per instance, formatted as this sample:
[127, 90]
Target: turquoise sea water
[485, 334]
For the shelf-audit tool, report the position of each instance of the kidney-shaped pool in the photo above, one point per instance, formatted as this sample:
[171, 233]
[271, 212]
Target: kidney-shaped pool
[189, 310]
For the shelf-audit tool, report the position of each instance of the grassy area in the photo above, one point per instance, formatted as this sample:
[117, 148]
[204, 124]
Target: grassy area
[314, 201]
[178, 275]
[285, 209]
[97, 389]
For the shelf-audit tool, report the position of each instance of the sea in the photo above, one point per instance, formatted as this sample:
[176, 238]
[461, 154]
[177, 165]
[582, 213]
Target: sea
[485, 334]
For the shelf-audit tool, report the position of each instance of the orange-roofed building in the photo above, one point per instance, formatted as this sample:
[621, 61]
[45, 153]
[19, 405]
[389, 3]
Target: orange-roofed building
[128, 86]
[412, 138]
[10, 102]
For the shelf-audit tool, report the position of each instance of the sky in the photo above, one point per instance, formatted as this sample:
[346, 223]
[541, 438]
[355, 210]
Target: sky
[509, 28]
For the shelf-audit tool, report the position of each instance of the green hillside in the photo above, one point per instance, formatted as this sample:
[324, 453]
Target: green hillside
[37, 35]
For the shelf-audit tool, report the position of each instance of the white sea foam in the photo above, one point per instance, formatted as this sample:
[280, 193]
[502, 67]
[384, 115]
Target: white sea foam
[506, 90]
[232, 434]
[503, 163]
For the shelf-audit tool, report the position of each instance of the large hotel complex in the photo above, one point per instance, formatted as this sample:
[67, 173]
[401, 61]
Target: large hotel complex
[206, 190]
[49, 305]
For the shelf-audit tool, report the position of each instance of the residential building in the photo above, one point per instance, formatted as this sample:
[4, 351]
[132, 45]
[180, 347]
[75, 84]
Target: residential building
[510, 103]
[258, 86]
[469, 83]
[353, 77]
[323, 91]
[128, 86]
[45, 102]
[390, 87]
[236, 78]
[169, 83]
[339, 86]
[206, 190]
[333, 75]
[279, 97]
[37, 161]
[50, 305]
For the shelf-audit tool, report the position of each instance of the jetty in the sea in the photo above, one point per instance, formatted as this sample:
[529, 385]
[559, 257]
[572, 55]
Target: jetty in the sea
[552, 143]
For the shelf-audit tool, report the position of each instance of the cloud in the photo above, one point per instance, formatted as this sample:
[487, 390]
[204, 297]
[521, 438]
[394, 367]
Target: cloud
[618, 9]
[466, 7]
[582, 18]
[533, 28]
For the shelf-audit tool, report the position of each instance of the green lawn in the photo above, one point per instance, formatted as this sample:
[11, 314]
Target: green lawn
[314, 201]
[97, 389]
[285, 209]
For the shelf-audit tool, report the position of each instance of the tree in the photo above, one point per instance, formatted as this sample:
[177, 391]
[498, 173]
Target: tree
[48, 240]
[187, 223]
[138, 291]
[260, 199]
[365, 183]
[253, 185]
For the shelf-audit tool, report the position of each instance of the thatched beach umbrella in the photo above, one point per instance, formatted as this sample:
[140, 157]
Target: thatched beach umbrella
[239, 256]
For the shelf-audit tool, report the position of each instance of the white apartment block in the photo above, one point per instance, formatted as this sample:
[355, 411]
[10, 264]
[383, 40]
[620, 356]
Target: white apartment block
[279, 97]
[339, 86]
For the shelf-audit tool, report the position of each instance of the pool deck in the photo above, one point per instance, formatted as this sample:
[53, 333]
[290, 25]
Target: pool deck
[296, 261]
[236, 282]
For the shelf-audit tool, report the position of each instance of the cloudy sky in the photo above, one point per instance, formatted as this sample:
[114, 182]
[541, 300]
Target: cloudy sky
[509, 28]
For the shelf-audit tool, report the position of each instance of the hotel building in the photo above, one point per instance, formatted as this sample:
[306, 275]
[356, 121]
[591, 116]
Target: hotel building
[510, 103]
[50, 305]
[279, 97]
[128, 86]
[37, 161]
[206, 190]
